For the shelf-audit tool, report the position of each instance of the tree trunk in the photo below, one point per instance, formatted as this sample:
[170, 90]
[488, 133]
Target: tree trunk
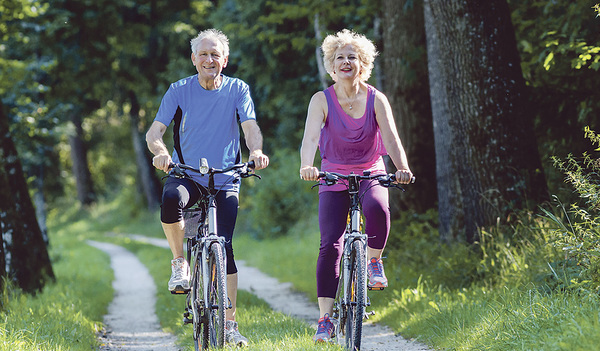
[39, 200]
[148, 182]
[445, 161]
[405, 85]
[319, 52]
[81, 171]
[23, 255]
[484, 133]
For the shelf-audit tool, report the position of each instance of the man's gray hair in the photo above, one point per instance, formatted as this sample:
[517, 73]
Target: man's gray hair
[212, 34]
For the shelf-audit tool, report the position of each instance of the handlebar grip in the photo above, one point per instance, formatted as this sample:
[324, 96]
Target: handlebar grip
[251, 164]
[412, 180]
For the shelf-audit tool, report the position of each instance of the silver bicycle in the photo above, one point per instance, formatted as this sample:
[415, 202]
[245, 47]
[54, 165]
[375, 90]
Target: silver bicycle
[206, 300]
[351, 298]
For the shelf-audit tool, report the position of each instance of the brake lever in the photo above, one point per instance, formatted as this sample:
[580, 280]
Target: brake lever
[249, 174]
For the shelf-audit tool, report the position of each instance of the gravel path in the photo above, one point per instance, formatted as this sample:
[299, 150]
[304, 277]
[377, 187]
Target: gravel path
[132, 324]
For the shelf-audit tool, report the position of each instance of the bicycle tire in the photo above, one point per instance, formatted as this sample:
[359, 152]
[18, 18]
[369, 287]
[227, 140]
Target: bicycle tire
[214, 326]
[355, 296]
[196, 303]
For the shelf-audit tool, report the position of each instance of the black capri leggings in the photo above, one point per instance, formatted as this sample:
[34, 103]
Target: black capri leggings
[184, 193]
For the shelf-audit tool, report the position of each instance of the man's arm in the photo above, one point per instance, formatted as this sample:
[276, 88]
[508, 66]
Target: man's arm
[156, 145]
[254, 142]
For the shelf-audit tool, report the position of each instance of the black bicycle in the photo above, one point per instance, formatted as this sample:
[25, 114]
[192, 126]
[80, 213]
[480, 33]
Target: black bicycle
[207, 297]
[351, 297]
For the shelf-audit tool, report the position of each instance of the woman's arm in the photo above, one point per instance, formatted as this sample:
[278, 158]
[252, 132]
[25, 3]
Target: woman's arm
[391, 140]
[317, 112]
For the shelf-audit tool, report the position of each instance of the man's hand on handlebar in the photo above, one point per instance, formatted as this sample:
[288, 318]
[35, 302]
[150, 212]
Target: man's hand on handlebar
[162, 162]
[260, 160]
[309, 173]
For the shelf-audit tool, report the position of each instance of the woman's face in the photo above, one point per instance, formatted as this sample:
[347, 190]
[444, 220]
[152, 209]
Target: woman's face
[346, 63]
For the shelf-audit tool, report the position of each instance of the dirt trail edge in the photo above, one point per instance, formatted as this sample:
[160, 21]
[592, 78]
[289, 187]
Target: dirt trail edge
[123, 317]
[281, 297]
[131, 322]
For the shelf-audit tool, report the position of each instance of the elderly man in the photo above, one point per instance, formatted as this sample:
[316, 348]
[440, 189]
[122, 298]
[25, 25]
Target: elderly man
[206, 109]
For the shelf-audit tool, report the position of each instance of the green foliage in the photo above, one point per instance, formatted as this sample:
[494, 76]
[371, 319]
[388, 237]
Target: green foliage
[67, 314]
[558, 43]
[499, 296]
[576, 229]
[273, 49]
[273, 205]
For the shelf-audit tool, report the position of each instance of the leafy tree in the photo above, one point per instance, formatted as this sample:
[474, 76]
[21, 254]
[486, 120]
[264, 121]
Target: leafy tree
[487, 159]
[23, 254]
[273, 49]
[558, 42]
[32, 124]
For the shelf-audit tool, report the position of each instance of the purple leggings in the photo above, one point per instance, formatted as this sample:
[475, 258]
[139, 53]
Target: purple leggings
[333, 214]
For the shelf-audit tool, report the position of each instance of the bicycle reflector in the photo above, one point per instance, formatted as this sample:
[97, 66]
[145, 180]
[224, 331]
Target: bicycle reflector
[203, 166]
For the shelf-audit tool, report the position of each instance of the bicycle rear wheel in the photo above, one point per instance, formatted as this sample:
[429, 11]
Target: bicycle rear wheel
[214, 326]
[355, 296]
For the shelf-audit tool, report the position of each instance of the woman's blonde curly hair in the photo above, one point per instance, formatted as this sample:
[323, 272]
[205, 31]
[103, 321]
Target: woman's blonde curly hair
[364, 47]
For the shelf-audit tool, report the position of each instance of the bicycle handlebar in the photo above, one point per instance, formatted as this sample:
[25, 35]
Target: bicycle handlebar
[240, 168]
[385, 180]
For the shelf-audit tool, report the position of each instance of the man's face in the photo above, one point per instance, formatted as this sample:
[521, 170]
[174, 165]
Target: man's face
[209, 59]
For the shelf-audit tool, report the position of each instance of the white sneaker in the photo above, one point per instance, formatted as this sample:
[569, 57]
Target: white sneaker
[180, 275]
[233, 336]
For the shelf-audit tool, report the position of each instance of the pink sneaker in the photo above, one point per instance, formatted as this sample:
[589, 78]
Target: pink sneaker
[377, 279]
[324, 329]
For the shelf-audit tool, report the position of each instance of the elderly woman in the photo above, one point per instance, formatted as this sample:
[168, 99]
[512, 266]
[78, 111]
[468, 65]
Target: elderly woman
[352, 125]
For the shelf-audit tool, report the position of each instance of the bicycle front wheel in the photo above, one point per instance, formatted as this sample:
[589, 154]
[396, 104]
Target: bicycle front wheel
[214, 326]
[196, 302]
[355, 296]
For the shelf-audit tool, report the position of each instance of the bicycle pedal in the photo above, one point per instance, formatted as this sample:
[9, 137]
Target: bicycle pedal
[376, 288]
[179, 290]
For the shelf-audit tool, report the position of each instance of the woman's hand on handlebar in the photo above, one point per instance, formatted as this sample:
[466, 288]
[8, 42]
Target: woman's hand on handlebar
[309, 173]
[162, 162]
[403, 176]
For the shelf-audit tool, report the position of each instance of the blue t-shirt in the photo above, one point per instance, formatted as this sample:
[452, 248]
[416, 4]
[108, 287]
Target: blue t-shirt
[206, 124]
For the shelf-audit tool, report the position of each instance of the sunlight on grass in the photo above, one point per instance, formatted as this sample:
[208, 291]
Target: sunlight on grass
[266, 329]
[67, 314]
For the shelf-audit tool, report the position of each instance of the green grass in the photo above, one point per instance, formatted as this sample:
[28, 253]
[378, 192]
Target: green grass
[266, 329]
[66, 314]
[503, 296]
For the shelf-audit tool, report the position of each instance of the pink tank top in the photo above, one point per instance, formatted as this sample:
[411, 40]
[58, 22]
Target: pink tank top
[348, 144]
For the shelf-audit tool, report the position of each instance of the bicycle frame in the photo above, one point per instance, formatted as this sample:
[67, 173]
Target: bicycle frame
[201, 252]
[352, 234]
[347, 313]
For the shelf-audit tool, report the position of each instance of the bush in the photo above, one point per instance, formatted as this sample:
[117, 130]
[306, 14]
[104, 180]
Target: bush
[271, 206]
[576, 228]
